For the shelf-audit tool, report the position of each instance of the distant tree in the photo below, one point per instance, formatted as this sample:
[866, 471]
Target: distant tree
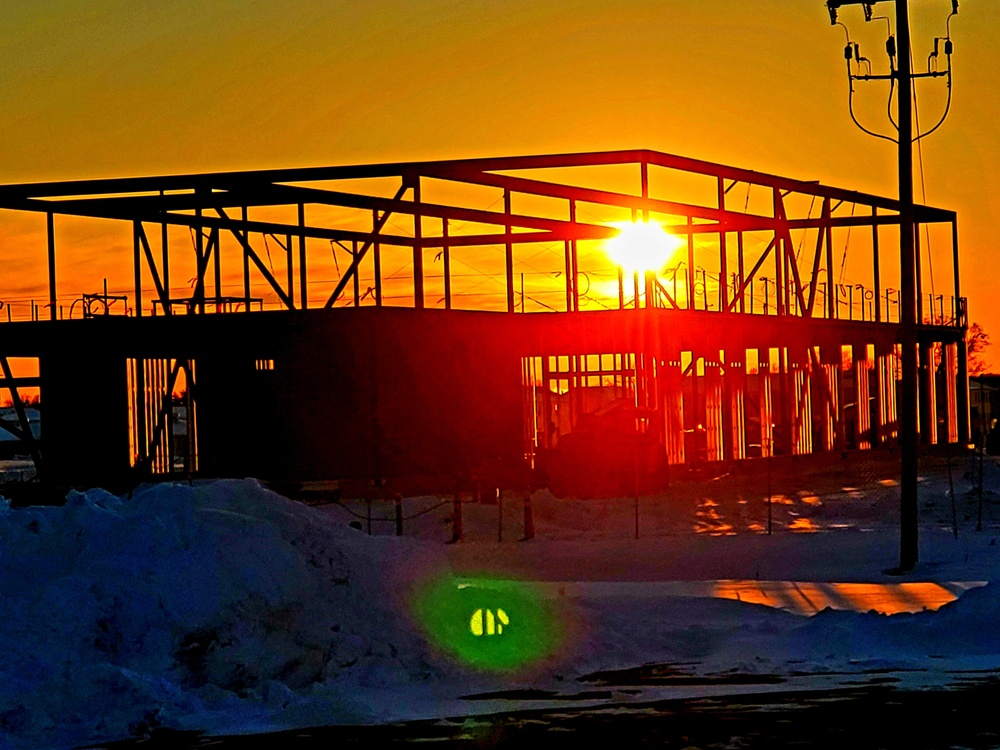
[977, 340]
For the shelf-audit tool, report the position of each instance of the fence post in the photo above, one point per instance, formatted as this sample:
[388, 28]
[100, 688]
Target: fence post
[456, 519]
[399, 515]
[499, 515]
[529, 519]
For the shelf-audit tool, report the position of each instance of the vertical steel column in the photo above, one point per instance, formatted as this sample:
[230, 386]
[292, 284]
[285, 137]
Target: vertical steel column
[418, 248]
[961, 351]
[246, 263]
[891, 408]
[831, 298]
[801, 382]
[962, 396]
[377, 261]
[218, 268]
[137, 268]
[920, 284]
[649, 276]
[50, 224]
[672, 381]
[785, 409]
[841, 443]
[508, 252]
[735, 382]
[138, 409]
[780, 300]
[446, 256]
[357, 273]
[548, 423]
[575, 396]
[928, 396]
[884, 381]
[199, 248]
[147, 399]
[714, 431]
[690, 263]
[950, 374]
[157, 412]
[830, 363]
[191, 405]
[567, 272]
[954, 260]
[862, 397]
[165, 255]
[291, 275]
[723, 259]
[303, 295]
[739, 248]
[876, 269]
[766, 403]
[575, 267]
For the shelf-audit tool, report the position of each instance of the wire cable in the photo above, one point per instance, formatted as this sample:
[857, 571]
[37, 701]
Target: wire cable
[847, 242]
[802, 238]
[948, 77]
[923, 189]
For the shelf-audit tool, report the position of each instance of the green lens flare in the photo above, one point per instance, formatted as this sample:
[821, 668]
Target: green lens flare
[488, 624]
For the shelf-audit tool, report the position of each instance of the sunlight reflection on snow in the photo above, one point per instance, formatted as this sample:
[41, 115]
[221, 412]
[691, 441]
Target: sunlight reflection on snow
[808, 598]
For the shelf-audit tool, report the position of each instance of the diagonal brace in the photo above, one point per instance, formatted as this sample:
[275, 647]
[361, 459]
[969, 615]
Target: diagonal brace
[164, 294]
[359, 256]
[22, 417]
[750, 276]
[242, 238]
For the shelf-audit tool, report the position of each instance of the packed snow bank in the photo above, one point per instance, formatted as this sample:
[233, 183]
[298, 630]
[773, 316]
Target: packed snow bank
[226, 608]
[207, 606]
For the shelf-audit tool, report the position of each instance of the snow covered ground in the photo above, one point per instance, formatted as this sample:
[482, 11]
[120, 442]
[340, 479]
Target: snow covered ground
[223, 607]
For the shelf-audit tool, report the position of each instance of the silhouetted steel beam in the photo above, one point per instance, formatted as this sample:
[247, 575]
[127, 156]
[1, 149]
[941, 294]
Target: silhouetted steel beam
[447, 169]
[162, 292]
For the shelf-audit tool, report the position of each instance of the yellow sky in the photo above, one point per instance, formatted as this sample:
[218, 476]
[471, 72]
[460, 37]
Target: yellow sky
[118, 87]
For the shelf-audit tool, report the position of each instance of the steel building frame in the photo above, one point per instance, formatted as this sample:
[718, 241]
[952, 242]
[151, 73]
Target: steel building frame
[800, 355]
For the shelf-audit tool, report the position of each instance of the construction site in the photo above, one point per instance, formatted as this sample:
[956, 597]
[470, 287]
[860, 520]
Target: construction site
[439, 326]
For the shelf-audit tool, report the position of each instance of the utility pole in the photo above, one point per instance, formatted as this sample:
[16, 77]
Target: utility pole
[899, 49]
[908, 506]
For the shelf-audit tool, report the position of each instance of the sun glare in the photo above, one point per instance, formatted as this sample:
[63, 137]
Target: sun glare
[642, 246]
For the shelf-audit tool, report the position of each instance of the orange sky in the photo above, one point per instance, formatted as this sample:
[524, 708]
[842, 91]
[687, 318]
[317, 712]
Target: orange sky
[117, 88]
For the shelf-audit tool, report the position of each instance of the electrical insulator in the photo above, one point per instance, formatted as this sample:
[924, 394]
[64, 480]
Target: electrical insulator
[848, 52]
[890, 46]
[857, 54]
[954, 6]
[948, 47]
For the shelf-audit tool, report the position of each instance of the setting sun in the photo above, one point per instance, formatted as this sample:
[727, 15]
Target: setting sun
[642, 246]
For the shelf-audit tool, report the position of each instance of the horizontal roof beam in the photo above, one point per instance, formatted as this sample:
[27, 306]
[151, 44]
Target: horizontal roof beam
[460, 168]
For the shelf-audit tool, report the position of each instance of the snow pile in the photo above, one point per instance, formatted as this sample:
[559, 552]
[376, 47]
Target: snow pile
[206, 606]
[965, 628]
[714, 636]
[226, 608]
